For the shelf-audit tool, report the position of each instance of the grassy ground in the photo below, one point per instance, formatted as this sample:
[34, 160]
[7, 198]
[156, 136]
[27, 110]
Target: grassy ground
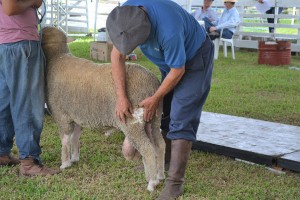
[240, 87]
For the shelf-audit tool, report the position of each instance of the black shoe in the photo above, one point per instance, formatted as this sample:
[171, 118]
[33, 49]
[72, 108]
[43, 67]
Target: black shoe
[213, 35]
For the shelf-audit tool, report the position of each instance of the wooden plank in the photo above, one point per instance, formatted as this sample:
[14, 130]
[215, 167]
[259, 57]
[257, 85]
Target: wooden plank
[288, 36]
[258, 24]
[287, 26]
[251, 44]
[268, 35]
[255, 15]
[248, 24]
[255, 34]
[288, 3]
[287, 16]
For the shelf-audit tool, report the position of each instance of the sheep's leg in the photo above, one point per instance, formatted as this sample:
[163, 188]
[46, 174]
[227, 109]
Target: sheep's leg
[75, 143]
[142, 143]
[65, 133]
[159, 147]
[65, 152]
[152, 130]
[136, 134]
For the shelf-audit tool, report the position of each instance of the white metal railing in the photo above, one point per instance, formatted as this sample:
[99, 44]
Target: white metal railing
[102, 9]
[67, 15]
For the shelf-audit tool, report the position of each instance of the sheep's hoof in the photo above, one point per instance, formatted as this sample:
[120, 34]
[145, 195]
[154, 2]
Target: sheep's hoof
[160, 176]
[152, 184]
[75, 159]
[65, 165]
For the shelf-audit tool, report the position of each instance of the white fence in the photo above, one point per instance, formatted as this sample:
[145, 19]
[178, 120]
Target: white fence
[254, 26]
[68, 15]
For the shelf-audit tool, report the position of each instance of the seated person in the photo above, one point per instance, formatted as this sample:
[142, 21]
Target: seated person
[229, 19]
[205, 11]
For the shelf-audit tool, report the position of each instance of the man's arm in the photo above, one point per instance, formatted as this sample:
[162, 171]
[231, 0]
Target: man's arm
[123, 106]
[15, 7]
[150, 104]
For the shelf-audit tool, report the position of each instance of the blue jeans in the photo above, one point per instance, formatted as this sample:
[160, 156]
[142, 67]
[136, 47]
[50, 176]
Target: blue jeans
[182, 107]
[21, 97]
[227, 34]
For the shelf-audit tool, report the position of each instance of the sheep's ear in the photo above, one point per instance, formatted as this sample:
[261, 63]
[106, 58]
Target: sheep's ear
[70, 39]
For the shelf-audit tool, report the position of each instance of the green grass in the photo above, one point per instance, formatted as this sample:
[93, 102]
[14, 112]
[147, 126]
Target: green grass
[240, 87]
[244, 88]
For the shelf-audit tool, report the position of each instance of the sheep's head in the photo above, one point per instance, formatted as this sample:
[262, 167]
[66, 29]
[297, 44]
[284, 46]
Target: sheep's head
[54, 42]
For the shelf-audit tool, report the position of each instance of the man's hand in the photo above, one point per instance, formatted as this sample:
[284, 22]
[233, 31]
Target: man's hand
[123, 109]
[212, 29]
[150, 106]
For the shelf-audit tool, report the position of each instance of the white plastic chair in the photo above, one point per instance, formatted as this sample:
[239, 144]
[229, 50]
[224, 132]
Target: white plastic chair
[217, 42]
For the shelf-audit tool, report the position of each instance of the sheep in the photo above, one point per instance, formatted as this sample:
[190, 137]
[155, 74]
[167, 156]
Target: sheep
[81, 93]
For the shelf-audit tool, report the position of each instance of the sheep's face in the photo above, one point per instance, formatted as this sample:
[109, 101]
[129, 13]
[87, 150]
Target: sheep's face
[54, 42]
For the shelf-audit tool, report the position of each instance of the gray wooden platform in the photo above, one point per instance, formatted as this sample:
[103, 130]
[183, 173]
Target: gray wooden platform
[257, 141]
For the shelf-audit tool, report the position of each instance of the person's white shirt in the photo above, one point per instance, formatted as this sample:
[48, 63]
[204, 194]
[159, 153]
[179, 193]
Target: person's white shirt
[263, 6]
[229, 19]
[210, 13]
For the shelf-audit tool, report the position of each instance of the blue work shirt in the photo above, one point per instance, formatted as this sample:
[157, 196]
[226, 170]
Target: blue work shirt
[175, 35]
